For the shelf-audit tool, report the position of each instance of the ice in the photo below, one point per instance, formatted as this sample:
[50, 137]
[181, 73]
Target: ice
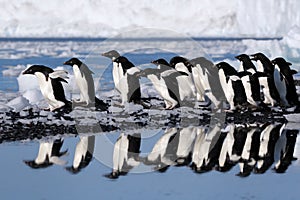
[107, 18]
[18, 103]
[27, 82]
[295, 118]
[34, 96]
[13, 70]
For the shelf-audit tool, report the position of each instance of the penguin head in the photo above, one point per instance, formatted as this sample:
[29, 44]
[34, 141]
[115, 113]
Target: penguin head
[178, 59]
[161, 64]
[258, 56]
[222, 65]
[281, 62]
[73, 61]
[38, 68]
[242, 57]
[73, 170]
[121, 59]
[113, 54]
[32, 164]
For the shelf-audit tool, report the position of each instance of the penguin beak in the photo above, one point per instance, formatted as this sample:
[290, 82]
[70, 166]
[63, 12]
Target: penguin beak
[66, 63]
[252, 57]
[25, 72]
[237, 57]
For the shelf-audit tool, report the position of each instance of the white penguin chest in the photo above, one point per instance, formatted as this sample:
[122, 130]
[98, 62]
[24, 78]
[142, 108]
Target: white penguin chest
[80, 80]
[45, 86]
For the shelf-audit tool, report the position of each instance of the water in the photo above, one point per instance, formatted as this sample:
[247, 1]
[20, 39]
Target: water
[142, 182]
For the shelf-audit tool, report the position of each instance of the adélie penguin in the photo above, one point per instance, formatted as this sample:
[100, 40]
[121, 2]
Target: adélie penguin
[129, 84]
[250, 78]
[49, 154]
[186, 85]
[50, 83]
[206, 80]
[232, 86]
[117, 73]
[83, 154]
[125, 155]
[271, 95]
[164, 79]
[85, 82]
[284, 82]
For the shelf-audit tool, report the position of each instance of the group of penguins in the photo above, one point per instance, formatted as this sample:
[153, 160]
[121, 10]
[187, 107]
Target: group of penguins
[253, 148]
[269, 83]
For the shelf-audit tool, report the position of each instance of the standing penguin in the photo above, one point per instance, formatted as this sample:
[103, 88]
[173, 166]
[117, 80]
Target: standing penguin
[186, 84]
[85, 83]
[117, 73]
[206, 80]
[250, 78]
[129, 84]
[232, 85]
[50, 85]
[271, 95]
[49, 154]
[284, 82]
[165, 82]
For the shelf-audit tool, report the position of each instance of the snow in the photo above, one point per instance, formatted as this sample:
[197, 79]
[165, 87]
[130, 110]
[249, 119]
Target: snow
[18, 103]
[33, 18]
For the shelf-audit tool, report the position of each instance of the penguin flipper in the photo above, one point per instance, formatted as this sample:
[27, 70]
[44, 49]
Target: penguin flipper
[59, 74]
[294, 71]
[260, 74]
[244, 73]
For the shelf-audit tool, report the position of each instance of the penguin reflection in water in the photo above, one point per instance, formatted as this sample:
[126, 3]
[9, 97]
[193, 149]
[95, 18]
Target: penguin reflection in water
[83, 154]
[49, 154]
[84, 80]
[50, 83]
[125, 155]
[164, 79]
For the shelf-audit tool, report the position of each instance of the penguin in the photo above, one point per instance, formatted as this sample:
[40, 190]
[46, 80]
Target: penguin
[250, 78]
[117, 73]
[268, 140]
[186, 139]
[163, 153]
[286, 153]
[129, 84]
[125, 155]
[83, 154]
[85, 82]
[207, 149]
[232, 86]
[49, 154]
[50, 83]
[225, 158]
[164, 79]
[186, 85]
[284, 82]
[271, 95]
[206, 80]
[249, 154]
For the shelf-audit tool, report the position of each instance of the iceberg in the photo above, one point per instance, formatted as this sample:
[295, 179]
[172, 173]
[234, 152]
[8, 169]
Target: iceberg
[89, 18]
